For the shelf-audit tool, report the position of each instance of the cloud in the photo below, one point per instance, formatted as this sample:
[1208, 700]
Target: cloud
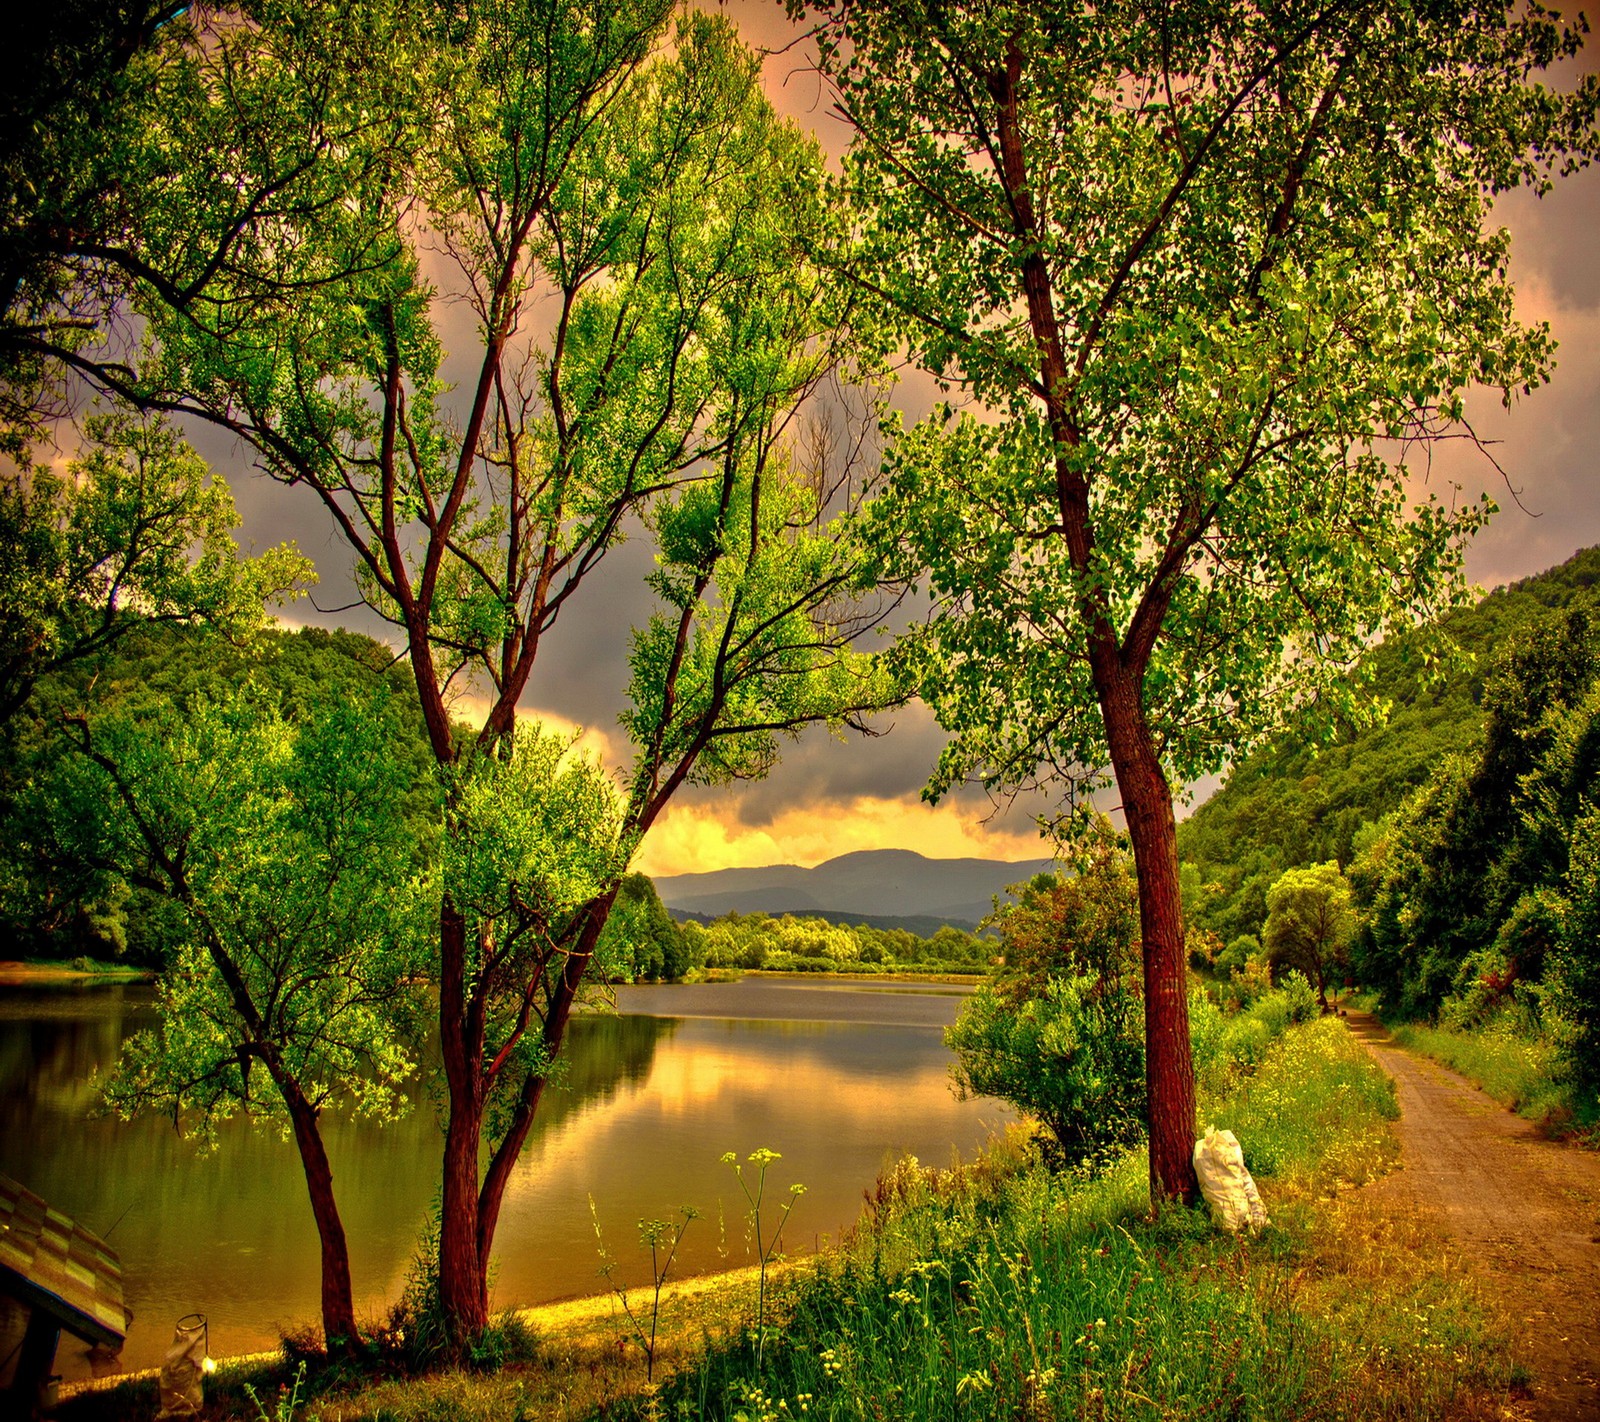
[608, 747]
[1546, 446]
[695, 836]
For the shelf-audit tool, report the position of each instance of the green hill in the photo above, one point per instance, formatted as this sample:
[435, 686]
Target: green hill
[1294, 803]
[51, 907]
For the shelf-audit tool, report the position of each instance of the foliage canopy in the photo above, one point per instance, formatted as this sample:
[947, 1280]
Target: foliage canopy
[136, 531]
[1211, 273]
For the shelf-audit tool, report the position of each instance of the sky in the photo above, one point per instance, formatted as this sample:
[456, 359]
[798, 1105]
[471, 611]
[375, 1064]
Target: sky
[830, 796]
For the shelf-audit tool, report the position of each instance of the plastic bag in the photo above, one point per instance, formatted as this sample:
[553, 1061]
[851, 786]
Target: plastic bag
[1226, 1184]
[183, 1369]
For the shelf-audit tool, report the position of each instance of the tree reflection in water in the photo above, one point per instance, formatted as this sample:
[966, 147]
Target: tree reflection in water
[645, 1108]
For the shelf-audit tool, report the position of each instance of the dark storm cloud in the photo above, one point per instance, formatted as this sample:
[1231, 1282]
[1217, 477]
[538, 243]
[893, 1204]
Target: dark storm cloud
[818, 768]
[1554, 238]
[1547, 443]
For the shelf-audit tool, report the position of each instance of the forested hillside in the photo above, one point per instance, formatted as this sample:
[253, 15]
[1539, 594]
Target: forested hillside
[1299, 803]
[53, 906]
[1448, 858]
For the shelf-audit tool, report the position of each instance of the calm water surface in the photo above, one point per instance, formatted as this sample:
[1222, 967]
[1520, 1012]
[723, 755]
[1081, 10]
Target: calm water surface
[837, 1077]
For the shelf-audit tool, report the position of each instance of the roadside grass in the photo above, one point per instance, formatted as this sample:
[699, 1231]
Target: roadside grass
[1515, 1067]
[992, 1289]
[995, 1290]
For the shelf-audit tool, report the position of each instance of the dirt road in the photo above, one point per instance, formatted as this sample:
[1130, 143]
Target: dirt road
[1522, 1210]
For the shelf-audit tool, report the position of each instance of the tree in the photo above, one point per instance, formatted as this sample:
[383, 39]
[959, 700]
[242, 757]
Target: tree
[69, 109]
[283, 847]
[640, 939]
[1213, 273]
[1296, 801]
[1088, 922]
[1310, 922]
[137, 531]
[627, 235]
[54, 905]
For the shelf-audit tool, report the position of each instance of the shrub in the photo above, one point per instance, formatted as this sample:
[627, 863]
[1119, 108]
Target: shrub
[1300, 999]
[1573, 974]
[1237, 954]
[1207, 1027]
[1073, 1057]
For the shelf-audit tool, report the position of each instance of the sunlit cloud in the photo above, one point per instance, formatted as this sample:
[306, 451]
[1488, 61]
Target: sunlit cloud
[587, 741]
[692, 838]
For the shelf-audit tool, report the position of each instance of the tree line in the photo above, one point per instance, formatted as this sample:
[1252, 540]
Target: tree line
[1204, 271]
[1449, 853]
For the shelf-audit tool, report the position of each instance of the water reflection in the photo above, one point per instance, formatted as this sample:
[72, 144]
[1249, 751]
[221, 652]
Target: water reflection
[647, 1106]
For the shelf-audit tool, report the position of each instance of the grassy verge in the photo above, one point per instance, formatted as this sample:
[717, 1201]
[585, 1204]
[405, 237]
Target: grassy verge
[1513, 1067]
[579, 1361]
[20, 973]
[995, 1290]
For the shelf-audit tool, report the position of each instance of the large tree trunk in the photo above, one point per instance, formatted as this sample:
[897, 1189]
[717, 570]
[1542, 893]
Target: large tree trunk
[338, 1306]
[1168, 1060]
[463, 1270]
[463, 1274]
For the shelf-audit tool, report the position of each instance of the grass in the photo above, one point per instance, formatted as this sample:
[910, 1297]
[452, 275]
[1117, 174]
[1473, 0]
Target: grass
[20, 972]
[1516, 1068]
[994, 1290]
[582, 1363]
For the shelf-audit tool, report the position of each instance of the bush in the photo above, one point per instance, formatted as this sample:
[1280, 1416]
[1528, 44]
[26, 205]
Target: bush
[1246, 1038]
[1207, 1027]
[1299, 997]
[1073, 1057]
[1572, 994]
[1237, 954]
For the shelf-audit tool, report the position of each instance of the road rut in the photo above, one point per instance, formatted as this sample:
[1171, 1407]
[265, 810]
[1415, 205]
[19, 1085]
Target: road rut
[1523, 1212]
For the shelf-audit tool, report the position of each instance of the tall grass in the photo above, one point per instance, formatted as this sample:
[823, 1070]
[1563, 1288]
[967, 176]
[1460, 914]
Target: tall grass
[998, 1290]
[1514, 1065]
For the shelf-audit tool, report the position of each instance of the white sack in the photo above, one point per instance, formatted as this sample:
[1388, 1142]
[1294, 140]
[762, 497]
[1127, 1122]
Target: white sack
[183, 1370]
[1226, 1184]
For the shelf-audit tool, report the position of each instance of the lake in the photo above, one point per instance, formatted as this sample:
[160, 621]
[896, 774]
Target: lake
[840, 1078]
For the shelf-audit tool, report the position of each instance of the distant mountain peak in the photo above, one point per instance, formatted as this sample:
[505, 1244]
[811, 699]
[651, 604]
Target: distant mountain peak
[876, 882]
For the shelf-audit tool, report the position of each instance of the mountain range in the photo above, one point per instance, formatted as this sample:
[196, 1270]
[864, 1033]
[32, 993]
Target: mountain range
[880, 884]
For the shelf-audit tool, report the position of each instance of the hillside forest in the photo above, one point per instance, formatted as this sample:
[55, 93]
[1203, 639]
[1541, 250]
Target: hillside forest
[1450, 847]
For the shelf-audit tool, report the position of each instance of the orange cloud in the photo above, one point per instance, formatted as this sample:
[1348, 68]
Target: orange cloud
[693, 838]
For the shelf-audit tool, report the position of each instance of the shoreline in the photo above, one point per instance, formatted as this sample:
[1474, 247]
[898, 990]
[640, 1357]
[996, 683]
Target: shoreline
[592, 1319]
[20, 972]
[909, 976]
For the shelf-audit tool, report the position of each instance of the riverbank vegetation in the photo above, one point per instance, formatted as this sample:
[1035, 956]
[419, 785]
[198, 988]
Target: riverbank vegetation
[999, 1287]
[794, 943]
